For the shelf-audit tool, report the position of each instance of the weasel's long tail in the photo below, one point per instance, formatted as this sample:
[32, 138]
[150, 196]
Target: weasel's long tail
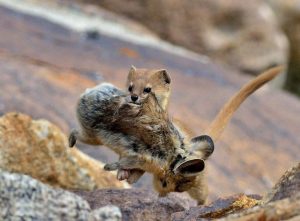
[219, 123]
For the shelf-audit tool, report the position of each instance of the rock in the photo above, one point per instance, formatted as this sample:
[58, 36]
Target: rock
[245, 36]
[138, 204]
[217, 209]
[287, 186]
[106, 213]
[282, 202]
[285, 209]
[39, 149]
[288, 14]
[24, 198]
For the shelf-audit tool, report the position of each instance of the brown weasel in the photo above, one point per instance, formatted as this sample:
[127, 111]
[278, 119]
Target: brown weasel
[176, 164]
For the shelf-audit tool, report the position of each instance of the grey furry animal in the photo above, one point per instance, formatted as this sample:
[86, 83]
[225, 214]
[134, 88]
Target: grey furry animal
[147, 140]
[144, 137]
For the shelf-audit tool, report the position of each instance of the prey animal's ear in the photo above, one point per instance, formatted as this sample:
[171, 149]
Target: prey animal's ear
[189, 167]
[163, 76]
[202, 145]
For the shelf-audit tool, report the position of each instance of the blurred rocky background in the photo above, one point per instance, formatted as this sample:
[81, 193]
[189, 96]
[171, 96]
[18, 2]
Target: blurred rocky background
[50, 51]
[249, 37]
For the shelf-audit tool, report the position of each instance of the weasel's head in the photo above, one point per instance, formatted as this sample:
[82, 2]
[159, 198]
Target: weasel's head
[184, 170]
[143, 82]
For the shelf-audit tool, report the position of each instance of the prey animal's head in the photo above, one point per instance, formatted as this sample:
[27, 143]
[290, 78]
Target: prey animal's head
[184, 170]
[142, 82]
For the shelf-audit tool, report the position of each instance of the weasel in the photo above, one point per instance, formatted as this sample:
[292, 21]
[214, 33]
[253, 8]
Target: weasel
[147, 140]
[141, 82]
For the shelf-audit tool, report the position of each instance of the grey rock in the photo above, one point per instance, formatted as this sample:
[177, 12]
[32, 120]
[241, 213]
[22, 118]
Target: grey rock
[24, 198]
[287, 186]
[106, 213]
[138, 204]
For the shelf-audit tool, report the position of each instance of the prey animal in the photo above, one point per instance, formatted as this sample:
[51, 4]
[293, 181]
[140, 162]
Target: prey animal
[147, 140]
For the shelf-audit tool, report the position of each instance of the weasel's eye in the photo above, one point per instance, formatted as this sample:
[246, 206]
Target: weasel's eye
[130, 88]
[147, 89]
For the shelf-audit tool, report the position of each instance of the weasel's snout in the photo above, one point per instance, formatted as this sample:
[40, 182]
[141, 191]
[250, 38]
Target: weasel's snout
[134, 97]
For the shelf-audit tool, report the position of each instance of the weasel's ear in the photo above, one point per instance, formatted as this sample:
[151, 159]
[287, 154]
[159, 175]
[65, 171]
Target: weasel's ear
[163, 76]
[202, 146]
[131, 73]
[189, 167]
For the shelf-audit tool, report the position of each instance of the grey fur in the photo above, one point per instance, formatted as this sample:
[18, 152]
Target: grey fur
[143, 135]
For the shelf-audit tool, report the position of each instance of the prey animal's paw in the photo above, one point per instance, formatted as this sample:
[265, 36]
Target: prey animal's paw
[123, 174]
[111, 166]
[73, 138]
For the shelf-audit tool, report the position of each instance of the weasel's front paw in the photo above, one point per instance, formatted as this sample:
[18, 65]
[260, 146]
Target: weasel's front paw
[73, 138]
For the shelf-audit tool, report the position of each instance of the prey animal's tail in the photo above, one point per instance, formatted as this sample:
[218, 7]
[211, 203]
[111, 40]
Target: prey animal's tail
[216, 128]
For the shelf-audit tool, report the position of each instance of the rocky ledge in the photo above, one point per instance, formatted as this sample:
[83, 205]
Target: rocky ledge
[24, 197]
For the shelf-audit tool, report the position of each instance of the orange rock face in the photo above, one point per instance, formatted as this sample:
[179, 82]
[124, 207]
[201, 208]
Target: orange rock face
[39, 149]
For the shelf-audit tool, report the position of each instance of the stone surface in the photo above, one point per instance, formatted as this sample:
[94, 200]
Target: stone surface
[138, 204]
[106, 213]
[39, 149]
[245, 36]
[287, 186]
[217, 209]
[286, 209]
[24, 198]
[44, 67]
[281, 203]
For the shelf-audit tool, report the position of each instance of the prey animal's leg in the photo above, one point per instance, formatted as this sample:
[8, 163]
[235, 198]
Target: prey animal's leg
[128, 162]
[78, 135]
[112, 166]
[128, 168]
[131, 175]
[122, 174]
